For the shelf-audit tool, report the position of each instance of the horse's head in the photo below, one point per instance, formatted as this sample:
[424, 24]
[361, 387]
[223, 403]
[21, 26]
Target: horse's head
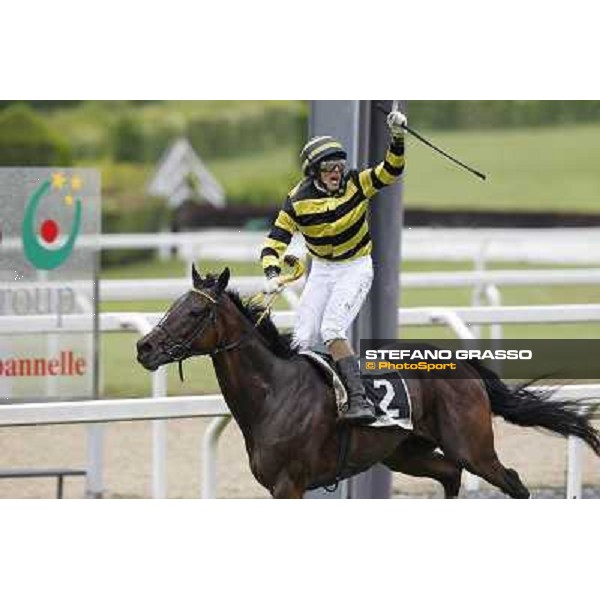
[188, 327]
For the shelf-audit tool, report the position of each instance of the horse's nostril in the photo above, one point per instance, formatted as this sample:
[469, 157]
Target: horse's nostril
[144, 347]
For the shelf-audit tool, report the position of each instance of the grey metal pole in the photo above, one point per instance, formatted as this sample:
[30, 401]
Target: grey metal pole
[379, 318]
[387, 215]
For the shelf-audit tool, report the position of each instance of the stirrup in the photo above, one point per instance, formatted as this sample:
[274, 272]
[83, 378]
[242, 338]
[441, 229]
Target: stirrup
[361, 415]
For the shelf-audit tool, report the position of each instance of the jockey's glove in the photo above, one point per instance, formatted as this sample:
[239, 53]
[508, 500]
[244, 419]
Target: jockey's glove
[396, 122]
[271, 284]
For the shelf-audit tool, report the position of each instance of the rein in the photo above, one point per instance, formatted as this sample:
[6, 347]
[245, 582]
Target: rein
[180, 351]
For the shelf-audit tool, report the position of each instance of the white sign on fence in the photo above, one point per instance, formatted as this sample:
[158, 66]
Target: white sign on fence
[43, 214]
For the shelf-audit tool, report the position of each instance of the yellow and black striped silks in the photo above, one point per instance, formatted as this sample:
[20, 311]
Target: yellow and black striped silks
[335, 227]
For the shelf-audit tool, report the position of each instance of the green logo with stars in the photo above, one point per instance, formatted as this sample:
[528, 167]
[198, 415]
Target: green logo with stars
[46, 256]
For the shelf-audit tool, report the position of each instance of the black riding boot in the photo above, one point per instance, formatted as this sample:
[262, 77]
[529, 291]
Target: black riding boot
[360, 409]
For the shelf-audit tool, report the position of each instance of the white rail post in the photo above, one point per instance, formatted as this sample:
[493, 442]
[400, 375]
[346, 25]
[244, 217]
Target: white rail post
[345, 489]
[159, 427]
[494, 298]
[210, 440]
[95, 459]
[94, 484]
[159, 439]
[452, 320]
[476, 301]
[163, 250]
[574, 467]
[479, 287]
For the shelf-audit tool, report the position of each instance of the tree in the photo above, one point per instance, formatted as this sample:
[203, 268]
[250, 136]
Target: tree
[26, 140]
[128, 141]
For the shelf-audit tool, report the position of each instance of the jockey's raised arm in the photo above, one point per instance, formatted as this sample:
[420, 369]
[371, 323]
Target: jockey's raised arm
[371, 180]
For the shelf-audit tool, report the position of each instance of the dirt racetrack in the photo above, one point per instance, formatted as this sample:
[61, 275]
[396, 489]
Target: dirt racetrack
[539, 458]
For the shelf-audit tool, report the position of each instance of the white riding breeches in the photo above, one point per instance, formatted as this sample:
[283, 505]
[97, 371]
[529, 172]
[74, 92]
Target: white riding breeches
[331, 300]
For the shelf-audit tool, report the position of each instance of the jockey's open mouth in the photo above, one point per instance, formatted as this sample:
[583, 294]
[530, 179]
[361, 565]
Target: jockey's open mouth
[333, 181]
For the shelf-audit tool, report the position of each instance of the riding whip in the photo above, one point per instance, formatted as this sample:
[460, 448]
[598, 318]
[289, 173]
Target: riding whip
[434, 147]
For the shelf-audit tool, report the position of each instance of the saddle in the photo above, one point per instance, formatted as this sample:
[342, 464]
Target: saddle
[389, 392]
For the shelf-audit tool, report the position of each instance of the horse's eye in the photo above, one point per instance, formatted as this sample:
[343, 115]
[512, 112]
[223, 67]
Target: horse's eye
[196, 312]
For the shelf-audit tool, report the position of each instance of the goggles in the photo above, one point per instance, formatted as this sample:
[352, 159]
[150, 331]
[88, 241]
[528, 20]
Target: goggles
[328, 166]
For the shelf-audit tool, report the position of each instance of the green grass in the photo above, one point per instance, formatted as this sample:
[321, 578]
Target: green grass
[533, 169]
[174, 268]
[263, 178]
[536, 169]
[123, 377]
[541, 168]
[529, 168]
[155, 269]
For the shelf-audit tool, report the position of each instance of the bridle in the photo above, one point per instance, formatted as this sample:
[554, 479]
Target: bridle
[178, 351]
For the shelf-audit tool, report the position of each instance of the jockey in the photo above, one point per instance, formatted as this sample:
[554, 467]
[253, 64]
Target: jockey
[329, 208]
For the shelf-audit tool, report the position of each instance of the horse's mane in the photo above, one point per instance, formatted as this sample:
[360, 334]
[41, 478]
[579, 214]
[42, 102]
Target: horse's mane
[280, 344]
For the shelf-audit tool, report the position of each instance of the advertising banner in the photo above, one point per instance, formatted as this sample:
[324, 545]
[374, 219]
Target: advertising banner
[49, 226]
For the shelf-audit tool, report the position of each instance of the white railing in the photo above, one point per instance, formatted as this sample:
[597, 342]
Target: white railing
[114, 409]
[431, 315]
[127, 409]
[135, 409]
[578, 245]
[458, 319]
[169, 289]
[156, 408]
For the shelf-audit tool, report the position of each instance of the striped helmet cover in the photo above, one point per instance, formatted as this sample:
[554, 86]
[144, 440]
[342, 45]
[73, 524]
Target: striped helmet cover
[318, 149]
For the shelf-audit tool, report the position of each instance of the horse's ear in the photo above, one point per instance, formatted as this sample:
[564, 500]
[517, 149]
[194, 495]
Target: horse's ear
[223, 279]
[196, 277]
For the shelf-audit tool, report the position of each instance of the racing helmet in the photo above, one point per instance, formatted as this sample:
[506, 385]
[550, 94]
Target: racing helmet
[320, 148]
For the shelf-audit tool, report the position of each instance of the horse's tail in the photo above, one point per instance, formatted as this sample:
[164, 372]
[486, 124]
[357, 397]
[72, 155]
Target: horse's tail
[533, 408]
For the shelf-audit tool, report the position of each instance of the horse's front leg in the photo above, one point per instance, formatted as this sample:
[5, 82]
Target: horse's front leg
[287, 488]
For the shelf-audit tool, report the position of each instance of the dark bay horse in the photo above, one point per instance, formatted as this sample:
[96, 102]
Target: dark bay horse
[287, 414]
